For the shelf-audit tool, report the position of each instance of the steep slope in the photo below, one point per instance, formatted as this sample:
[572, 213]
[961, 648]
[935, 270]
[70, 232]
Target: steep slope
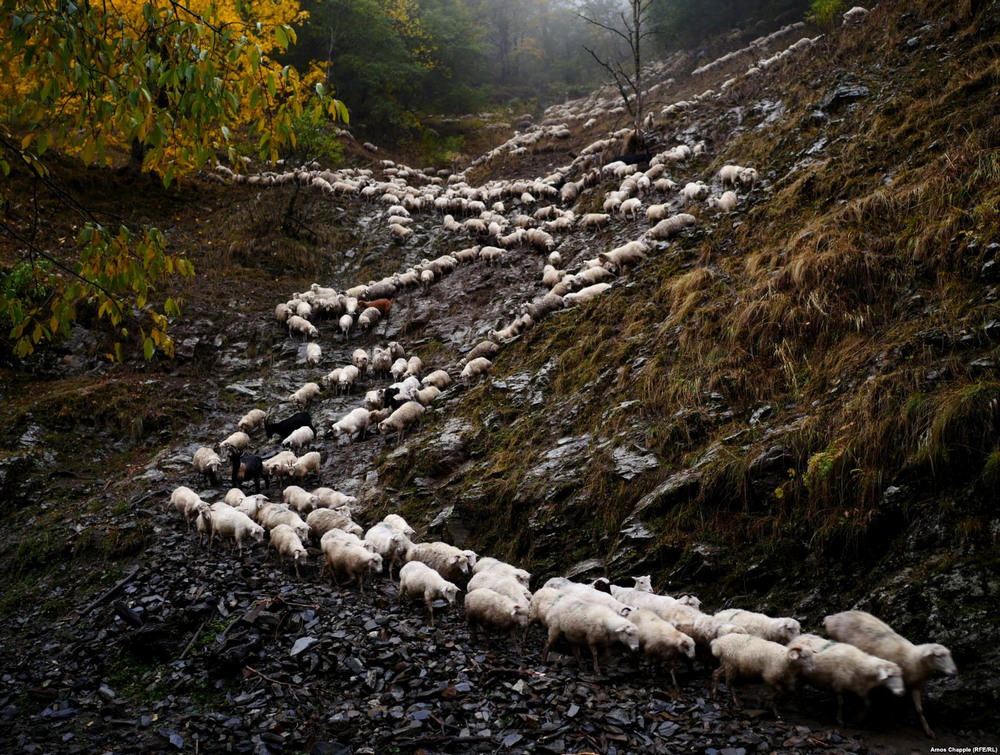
[795, 406]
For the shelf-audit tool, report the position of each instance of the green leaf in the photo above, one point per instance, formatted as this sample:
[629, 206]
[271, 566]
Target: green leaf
[281, 36]
[148, 348]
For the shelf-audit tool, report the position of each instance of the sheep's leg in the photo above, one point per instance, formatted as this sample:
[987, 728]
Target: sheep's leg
[595, 651]
[774, 703]
[715, 681]
[915, 695]
[430, 610]
[553, 636]
[840, 709]
[673, 678]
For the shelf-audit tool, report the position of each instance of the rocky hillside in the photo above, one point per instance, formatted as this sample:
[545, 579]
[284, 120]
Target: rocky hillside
[791, 407]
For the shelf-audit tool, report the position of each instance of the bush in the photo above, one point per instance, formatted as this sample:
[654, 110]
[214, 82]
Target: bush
[824, 13]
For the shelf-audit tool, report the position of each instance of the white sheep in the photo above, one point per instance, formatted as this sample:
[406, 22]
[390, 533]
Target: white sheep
[744, 656]
[348, 559]
[381, 362]
[400, 231]
[476, 367]
[402, 419]
[398, 368]
[657, 212]
[643, 583]
[623, 256]
[235, 443]
[231, 523]
[701, 627]
[334, 499]
[694, 191]
[488, 610]
[399, 524]
[345, 323]
[488, 349]
[588, 593]
[299, 438]
[207, 463]
[354, 424]
[855, 15]
[234, 497]
[314, 354]
[661, 640]
[593, 220]
[584, 295]
[630, 208]
[286, 541]
[299, 500]
[369, 318]
[186, 501]
[270, 515]
[551, 276]
[671, 226]
[304, 395]
[251, 504]
[302, 327]
[489, 563]
[874, 636]
[592, 275]
[841, 668]
[584, 623]
[348, 376]
[446, 560]
[726, 203]
[321, 521]
[748, 177]
[280, 464]
[440, 379]
[647, 600]
[782, 629]
[252, 420]
[389, 543]
[542, 601]
[504, 584]
[332, 377]
[306, 464]
[414, 366]
[729, 175]
[426, 395]
[360, 360]
[417, 580]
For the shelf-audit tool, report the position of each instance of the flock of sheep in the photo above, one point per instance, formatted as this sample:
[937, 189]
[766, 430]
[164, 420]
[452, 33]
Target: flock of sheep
[864, 653]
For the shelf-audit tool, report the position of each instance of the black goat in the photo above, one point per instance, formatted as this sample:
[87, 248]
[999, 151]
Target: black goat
[248, 468]
[287, 426]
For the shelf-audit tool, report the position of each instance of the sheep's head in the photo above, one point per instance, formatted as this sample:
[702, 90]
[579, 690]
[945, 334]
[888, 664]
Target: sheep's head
[890, 675]
[300, 556]
[257, 533]
[801, 657]
[689, 600]
[686, 646]
[937, 658]
[791, 628]
[449, 592]
[628, 635]
[643, 583]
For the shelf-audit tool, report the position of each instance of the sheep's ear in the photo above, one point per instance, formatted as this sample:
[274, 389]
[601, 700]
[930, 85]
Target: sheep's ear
[883, 674]
[795, 654]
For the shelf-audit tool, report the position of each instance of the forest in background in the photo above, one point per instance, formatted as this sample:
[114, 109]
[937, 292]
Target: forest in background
[396, 62]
